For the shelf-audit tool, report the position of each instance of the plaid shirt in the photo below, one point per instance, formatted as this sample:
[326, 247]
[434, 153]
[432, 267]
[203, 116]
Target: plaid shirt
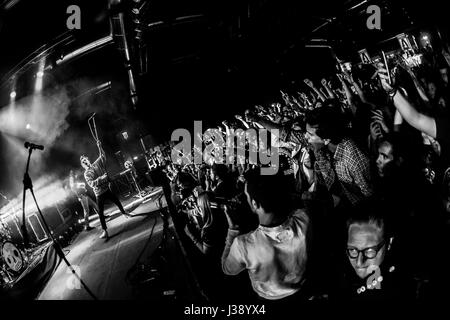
[292, 140]
[93, 176]
[351, 167]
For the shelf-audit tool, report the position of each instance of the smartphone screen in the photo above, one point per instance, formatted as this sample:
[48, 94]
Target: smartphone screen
[387, 66]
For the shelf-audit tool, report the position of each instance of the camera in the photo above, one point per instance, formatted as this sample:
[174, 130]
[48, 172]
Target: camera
[220, 203]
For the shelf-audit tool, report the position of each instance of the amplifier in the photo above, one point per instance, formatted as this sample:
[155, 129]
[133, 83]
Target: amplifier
[35, 224]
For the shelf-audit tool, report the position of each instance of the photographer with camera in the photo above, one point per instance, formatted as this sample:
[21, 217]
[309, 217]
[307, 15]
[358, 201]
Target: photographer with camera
[276, 253]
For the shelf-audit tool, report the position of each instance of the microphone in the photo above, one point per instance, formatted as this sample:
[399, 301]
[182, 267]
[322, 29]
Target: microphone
[33, 146]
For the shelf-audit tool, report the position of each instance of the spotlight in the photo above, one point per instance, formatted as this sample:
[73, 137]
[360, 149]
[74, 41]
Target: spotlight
[12, 94]
[125, 135]
[425, 38]
[28, 126]
[40, 74]
[135, 158]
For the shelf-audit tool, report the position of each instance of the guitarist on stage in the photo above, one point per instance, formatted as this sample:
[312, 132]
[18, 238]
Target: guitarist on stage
[97, 178]
[79, 188]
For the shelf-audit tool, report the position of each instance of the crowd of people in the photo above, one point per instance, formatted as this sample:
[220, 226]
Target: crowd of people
[360, 206]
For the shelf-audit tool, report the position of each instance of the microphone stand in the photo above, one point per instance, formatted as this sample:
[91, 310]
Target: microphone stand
[28, 184]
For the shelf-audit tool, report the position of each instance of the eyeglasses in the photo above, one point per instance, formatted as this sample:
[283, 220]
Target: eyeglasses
[368, 253]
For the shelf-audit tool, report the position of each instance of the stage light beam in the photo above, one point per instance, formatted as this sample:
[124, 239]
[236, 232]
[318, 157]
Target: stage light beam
[40, 76]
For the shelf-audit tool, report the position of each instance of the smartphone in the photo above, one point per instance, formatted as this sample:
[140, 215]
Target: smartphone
[387, 66]
[348, 66]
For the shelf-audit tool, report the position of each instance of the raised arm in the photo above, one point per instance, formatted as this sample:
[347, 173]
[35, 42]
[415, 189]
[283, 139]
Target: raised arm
[232, 257]
[421, 122]
[316, 90]
[227, 128]
[348, 93]
[327, 87]
[101, 152]
[239, 117]
[416, 119]
[265, 123]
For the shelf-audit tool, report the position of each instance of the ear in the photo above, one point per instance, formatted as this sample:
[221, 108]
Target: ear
[391, 240]
[254, 204]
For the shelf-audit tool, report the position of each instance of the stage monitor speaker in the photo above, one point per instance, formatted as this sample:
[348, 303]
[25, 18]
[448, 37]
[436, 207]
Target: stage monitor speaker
[14, 223]
[34, 222]
[156, 177]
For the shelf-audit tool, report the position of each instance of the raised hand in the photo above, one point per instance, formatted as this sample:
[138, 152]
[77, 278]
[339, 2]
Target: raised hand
[249, 115]
[377, 116]
[308, 83]
[383, 75]
[375, 130]
[229, 214]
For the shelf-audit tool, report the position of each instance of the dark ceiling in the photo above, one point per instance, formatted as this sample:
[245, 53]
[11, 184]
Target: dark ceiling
[206, 59]
[250, 45]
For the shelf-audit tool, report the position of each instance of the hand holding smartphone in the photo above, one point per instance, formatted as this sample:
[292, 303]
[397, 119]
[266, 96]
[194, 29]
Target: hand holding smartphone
[387, 67]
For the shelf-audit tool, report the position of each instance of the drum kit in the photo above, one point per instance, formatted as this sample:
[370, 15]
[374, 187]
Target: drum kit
[13, 260]
[16, 261]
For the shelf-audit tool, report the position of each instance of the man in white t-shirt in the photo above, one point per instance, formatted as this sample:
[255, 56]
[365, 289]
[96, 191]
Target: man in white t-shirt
[275, 254]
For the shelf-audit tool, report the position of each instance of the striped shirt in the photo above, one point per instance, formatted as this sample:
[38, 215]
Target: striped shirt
[93, 176]
[351, 167]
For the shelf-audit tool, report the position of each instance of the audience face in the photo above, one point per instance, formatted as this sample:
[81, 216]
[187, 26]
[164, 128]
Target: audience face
[369, 237]
[447, 204]
[312, 137]
[432, 90]
[442, 103]
[385, 157]
[444, 75]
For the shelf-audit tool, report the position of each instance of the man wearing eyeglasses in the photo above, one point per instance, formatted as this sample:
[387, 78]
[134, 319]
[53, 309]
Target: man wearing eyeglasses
[366, 245]
[373, 271]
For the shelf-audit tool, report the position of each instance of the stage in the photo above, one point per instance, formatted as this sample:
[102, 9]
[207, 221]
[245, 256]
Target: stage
[131, 264]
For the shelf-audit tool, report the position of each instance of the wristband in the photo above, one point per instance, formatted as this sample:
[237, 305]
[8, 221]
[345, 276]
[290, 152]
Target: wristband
[392, 92]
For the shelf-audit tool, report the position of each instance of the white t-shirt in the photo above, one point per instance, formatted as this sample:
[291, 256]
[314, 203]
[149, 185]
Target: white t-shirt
[274, 257]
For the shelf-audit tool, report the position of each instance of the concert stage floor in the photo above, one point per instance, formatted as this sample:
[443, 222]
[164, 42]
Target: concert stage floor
[123, 267]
